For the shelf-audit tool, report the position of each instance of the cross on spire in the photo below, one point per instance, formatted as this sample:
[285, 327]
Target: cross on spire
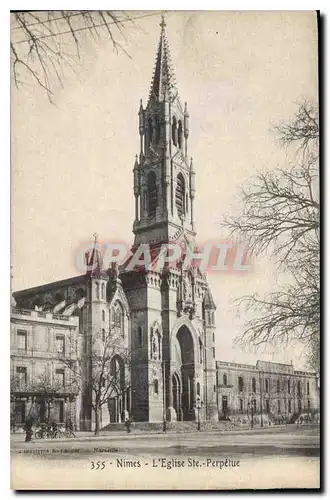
[163, 81]
[95, 236]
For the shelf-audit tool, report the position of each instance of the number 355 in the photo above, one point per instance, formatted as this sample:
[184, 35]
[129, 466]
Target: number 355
[97, 465]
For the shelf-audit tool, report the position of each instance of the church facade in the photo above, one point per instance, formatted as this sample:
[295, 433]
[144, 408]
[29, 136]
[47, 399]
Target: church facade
[166, 318]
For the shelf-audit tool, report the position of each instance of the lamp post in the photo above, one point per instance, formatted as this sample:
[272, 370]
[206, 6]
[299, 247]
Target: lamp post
[198, 408]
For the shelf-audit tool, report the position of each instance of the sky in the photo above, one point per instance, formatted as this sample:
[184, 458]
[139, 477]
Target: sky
[72, 161]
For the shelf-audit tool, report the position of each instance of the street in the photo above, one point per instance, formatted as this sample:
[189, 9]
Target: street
[262, 458]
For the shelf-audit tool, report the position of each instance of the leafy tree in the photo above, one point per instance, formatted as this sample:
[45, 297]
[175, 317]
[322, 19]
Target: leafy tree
[281, 216]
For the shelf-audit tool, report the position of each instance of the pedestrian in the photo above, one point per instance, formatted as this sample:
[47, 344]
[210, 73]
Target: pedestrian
[128, 425]
[28, 429]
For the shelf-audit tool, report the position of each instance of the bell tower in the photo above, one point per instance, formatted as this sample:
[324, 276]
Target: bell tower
[164, 177]
[172, 310]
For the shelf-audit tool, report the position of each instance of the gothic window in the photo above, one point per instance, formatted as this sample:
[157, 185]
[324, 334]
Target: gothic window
[117, 372]
[279, 406]
[103, 335]
[180, 134]
[241, 404]
[198, 389]
[117, 318]
[103, 290]
[156, 386]
[97, 286]
[267, 405]
[150, 130]
[307, 388]
[200, 351]
[213, 350]
[278, 386]
[157, 127]
[174, 131]
[152, 193]
[254, 385]
[299, 405]
[289, 405]
[180, 195]
[240, 384]
[224, 379]
[103, 315]
[139, 336]
[289, 388]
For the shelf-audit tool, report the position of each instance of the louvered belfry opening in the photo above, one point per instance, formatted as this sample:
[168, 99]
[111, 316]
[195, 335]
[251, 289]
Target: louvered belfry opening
[180, 195]
[152, 194]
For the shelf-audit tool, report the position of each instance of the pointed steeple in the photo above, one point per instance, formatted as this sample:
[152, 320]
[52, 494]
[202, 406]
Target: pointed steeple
[94, 261]
[163, 83]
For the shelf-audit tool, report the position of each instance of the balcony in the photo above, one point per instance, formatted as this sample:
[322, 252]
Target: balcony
[43, 315]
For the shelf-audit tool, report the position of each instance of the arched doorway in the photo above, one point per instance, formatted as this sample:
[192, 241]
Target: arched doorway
[183, 385]
[116, 390]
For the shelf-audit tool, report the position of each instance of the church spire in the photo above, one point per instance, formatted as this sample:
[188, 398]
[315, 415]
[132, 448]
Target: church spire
[163, 84]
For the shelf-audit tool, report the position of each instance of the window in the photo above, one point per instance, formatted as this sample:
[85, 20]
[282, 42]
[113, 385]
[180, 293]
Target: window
[174, 131]
[289, 388]
[152, 194]
[103, 291]
[200, 351]
[180, 195]
[299, 388]
[214, 389]
[307, 388]
[60, 344]
[22, 339]
[224, 378]
[180, 134]
[224, 404]
[267, 384]
[198, 389]
[240, 384]
[213, 337]
[299, 405]
[308, 406]
[241, 404]
[103, 335]
[103, 315]
[279, 406]
[289, 406]
[213, 350]
[267, 406]
[59, 375]
[139, 336]
[156, 386]
[97, 290]
[254, 405]
[254, 385]
[21, 372]
[278, 386]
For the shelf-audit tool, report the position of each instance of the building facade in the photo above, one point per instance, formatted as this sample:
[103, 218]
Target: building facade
[167, 317]
[275, 390]
[164, 317]
[41, 384]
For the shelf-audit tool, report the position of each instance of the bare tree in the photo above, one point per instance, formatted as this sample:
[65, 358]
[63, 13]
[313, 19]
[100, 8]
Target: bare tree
[101, 369]
[44, 44]
[281, 216]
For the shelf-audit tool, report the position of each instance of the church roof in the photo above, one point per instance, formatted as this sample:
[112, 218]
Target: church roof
[163, 82]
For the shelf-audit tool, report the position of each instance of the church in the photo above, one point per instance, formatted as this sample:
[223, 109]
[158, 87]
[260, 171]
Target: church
[166, 319]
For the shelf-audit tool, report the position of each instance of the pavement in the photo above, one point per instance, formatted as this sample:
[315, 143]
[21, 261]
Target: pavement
[260, 458]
